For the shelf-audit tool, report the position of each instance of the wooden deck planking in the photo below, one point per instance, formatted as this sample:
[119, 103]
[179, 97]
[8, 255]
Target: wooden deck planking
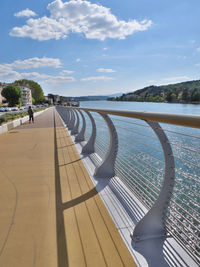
[50, 212]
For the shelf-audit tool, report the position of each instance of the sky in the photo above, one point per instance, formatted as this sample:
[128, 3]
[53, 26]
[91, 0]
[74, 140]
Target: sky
[79, 48]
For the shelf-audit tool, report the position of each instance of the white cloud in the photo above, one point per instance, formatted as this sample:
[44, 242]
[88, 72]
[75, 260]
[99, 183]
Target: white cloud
[14, 75]
[177, 79]
[7, 72]
[181, 57]
[105, 48]
[36, 62]
[152, 81]
[198, 49]
[25, 13]
[47, 78]
[105, 70]
[34, 75]
[78, 60]
[97, 78]
[41, 29]
[66, 72]
[93, 20]
[198, 64]
[59, 79]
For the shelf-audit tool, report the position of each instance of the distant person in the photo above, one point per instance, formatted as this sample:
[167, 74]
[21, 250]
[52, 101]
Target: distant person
[30, 113]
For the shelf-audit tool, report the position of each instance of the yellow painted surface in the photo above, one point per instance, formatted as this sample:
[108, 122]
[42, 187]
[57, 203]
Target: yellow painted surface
[50, 212]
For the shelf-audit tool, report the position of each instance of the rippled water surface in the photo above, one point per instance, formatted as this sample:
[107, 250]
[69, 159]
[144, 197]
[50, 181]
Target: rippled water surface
[144, 106]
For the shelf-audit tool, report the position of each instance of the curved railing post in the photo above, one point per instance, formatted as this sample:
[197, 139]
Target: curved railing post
[152, 225]
[75, 129]
[106, 169]
[81, 136]
[67, 117]
[72, 120]
[89, 147]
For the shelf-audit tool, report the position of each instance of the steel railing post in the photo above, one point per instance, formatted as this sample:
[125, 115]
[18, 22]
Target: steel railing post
[67, 117]
[72, 120]
[75, 129]
[89, 147]
[106, 169]
[152, 225]
[81, 136]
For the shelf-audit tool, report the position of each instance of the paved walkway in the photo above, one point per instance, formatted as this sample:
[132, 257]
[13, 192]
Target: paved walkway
[50, 212]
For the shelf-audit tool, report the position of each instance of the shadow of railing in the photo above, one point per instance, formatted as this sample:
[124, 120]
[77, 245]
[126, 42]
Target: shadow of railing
[62, 255]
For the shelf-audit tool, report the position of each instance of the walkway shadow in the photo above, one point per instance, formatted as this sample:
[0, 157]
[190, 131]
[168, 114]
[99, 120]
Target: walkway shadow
[13, 132]
[65, 146]
[62, 255]
[80, 199]
[71, 162]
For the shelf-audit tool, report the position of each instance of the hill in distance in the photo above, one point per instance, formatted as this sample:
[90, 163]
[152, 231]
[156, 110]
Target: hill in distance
[92, 98]
[86, 98]
[184, 92]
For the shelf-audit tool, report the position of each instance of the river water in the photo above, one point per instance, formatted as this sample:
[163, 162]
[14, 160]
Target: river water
[140, 162]
[144, 106]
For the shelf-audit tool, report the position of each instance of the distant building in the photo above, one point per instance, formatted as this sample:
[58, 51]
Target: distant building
[162, 93]
[26, 95]
[2, 85]
[49, 99]
[56, 99]
[1, 97]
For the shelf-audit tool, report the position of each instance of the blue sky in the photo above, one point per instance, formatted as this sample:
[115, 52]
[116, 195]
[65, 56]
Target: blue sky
[100, 47]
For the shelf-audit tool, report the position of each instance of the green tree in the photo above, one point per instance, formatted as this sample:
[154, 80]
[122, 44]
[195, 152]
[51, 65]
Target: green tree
[195, 96]
[169, 96]
[173, 97]
[186, 95]
[12, 94]
[36, 90]
[158, 98]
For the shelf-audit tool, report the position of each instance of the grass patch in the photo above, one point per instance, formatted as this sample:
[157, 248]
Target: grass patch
[16, 115]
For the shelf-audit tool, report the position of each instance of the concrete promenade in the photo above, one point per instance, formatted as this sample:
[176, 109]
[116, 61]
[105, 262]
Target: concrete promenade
[50, 212]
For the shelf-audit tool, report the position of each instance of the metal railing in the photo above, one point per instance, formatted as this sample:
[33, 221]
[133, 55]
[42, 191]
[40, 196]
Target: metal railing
[159, 163]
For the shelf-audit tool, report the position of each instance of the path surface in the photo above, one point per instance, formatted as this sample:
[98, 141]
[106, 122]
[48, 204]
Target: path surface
[50, 212]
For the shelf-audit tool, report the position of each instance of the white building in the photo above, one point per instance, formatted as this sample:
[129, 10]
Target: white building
[26, 95]
[2, 85]
[1, 97]
[56, 99]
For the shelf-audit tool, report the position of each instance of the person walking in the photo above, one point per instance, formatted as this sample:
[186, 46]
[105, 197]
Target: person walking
[30, 113]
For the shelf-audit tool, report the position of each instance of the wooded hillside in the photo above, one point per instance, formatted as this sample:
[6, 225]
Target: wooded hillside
[185, 92]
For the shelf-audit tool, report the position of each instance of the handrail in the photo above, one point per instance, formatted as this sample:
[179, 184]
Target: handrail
[177, 119]
[162, 210]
